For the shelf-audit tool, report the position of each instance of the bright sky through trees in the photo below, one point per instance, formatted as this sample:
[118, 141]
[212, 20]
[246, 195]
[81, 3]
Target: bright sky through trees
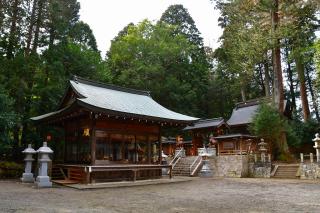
[107, 18]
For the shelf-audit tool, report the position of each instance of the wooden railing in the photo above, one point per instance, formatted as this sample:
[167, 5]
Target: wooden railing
[134, 168]
[176, 158]
[195, 165]
[308, 158]
[232, 152]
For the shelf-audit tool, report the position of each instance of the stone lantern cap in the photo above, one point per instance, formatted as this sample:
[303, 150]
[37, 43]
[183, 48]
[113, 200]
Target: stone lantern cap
[45, 149]
[164, 155]
[29, 150]
[262, 143]
[317, 138]
[205, 154]
[316, 141]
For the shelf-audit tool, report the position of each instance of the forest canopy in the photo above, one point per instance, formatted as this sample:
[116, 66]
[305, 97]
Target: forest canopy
[268, 48]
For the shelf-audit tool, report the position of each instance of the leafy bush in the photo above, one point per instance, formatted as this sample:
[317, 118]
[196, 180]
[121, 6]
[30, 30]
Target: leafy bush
[270, 125]
[305, 132]
[10, 169]
[7, 121]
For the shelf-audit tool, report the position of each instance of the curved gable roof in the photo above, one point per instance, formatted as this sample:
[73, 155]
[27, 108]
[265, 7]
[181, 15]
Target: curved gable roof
[122, 101]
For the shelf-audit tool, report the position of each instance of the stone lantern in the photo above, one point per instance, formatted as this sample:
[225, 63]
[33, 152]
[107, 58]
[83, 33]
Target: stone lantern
[164, 162]
[43, 179]
[317, 146]
[27, 176]
[205, 171]
[262, 149]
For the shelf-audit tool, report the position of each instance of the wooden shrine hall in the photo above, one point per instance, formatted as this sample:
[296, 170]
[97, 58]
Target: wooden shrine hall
[110, 132]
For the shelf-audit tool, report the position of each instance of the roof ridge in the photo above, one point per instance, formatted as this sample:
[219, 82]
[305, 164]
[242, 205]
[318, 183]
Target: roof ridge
[77, 79]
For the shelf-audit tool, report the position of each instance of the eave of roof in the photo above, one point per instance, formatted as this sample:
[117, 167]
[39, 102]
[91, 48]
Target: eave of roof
[206, 123]
[55, 114]
[237, 135]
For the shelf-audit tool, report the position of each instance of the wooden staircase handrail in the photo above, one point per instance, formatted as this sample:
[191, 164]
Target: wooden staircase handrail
[176, 158]
[199, 158]
[274, 170]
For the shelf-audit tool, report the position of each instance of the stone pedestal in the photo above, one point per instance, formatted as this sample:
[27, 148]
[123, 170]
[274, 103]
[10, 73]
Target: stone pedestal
[43, 180]
[205, 171]
[27, 176]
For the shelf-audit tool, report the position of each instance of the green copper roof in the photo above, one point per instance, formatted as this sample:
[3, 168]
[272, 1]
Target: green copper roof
[119, 100]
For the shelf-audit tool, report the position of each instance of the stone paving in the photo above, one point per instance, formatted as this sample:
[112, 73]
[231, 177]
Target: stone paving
[198, 195]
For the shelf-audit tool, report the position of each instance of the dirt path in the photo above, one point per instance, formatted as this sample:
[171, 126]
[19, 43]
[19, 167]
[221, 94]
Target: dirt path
[199, 195]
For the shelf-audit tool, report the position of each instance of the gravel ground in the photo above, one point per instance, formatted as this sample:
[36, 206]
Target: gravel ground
[199, 195]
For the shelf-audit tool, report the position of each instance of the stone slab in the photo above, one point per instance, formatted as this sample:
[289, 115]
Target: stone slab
[130, 183]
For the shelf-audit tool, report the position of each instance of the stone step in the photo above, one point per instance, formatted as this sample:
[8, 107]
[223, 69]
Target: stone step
[182, 168]
[186, 175]
[286, 171]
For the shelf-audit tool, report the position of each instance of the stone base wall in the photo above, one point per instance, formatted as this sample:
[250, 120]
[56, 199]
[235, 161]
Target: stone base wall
[309, 171]
[229, 166]
[259, 170]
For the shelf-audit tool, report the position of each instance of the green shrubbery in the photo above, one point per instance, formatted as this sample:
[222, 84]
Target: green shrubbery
[304, 132]
[269, 124]
[10, 169]
[7, 121]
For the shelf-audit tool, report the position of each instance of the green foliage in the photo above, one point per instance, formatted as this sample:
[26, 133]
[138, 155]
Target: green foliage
[269, 125]
[179, 16]
[151, 57]
[7, 121]
[304, 132]
[10, 169]
[42, 43]
[80, 33]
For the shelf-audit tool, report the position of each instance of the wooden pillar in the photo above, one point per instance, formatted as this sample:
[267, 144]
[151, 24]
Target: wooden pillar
[122, 149]
[160, 145]
[170, 172]
[149, 149]
[134, 178]
[93, 139]
[135, 150]
[88, 178]
[65, 146]
[78, 138]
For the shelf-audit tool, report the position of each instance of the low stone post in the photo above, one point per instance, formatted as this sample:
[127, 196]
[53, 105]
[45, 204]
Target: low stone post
[43, 180]
[311, 157]
[301, 157]
[317, 146]
[255, 157]
[269, 158]
[27, 176]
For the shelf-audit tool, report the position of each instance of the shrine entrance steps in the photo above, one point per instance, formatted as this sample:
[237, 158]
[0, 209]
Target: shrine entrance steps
[58, 175]
[286, 171]
[182, 167]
